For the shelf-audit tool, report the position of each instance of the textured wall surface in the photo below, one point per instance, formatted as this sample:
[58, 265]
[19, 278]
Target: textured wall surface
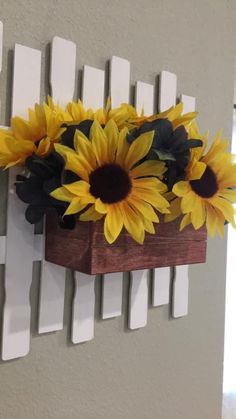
[171, 369]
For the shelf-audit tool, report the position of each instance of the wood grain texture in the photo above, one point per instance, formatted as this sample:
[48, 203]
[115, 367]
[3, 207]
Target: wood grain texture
[85, 249]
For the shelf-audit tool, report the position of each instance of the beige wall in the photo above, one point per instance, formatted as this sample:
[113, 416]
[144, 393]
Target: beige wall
[170, 369]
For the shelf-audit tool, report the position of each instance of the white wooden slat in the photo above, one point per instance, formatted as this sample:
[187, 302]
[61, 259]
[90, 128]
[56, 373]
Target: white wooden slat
[119, 81]
[84, 300]
[52, 285]
[62, 74]
[2, 249]
[167, 98]
[138, 294]
[1, 47]
[167, 90]
[39, 247]
[189, 103]
[20, 239]
[119, 90]
[111, 295]
[138, 299]
[83, 308]
[181, 281]
[161, 286]
[144, 98]
[180, 292]
[1, 44]
[37, 252]
[93, 87]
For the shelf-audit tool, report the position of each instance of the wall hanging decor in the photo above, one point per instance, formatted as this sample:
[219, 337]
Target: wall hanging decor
[119, 188]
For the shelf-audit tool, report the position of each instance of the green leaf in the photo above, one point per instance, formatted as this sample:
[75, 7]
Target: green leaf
[164, 155]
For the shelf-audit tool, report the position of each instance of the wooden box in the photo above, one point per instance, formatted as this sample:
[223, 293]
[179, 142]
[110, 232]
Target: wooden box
[85, 249]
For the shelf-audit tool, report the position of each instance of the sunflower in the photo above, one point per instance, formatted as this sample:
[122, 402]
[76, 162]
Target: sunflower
[112, 183]
[206, 194]
[120, 115]
[174, 115]
[35, 135]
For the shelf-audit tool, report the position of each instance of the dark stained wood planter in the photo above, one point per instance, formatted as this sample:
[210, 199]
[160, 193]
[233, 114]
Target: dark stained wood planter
[85, 249]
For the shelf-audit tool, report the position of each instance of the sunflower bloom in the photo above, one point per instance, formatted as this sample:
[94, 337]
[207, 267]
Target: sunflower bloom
[173, 114]
[36, 135]
[120, 115]
[205, 196]
[112, 184]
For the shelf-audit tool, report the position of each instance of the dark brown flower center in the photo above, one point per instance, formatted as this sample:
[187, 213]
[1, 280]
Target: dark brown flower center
[110, 183]
[207, 186]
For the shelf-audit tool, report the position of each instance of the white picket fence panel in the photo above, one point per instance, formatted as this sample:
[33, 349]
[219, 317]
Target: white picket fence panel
[21, 247]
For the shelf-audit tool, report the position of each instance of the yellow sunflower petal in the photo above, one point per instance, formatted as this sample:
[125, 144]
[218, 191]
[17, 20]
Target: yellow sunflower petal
[229, 194]
[112, 134]
[211, 219]
[122, 147]
[113, 223]
[138, 149]
[73, 162]
[62, 194]
[175, 210]
[79, 188]
[181, 188]
[225, 207]
[21, 129]
[188, 202]
[196, 171]
[132, 223]
[148, 168]
[75, 207]
[43, 147]
[99, 143]
[186, 220]
[144, 208]
[156, 200]
[90, 214]
[148, 226]
[101, 207]
[198, 215]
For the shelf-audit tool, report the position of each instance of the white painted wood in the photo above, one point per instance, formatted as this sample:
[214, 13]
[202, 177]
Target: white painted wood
[39, 247]
[1, 44]
[38, 251]
[144, 98]
[1, 47]
[62, 74]
[161, 286]
[52, 286]
[84, 300]
[119, 88]
[2, 249]
[93, 87]
[83, 308]
[119, 81]
[112, 295]
[20, 238]
[181, 281]
[138, 296]
[180, 292]
[167, 90]
[189, 103]
[138, 299]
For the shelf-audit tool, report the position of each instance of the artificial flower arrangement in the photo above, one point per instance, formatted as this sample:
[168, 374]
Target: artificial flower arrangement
[114, 172]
